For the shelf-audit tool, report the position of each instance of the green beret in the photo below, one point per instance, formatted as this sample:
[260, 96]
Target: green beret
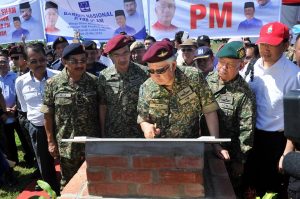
[234, 50]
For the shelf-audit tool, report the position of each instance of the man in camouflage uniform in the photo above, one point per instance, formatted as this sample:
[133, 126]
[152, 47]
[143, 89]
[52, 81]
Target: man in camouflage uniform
[70, 107]
[118, 90]
[237, 108]
[172, 99]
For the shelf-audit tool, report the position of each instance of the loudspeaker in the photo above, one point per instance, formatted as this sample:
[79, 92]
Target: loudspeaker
[291, 106]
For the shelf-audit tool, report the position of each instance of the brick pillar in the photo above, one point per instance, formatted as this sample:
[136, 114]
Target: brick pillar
[145, 169]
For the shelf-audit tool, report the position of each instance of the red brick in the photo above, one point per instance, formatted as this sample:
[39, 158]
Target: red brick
[77, 181]
[107, 161]
[194, 162]
[153, 162]
[158, 190]
[181, 177]
[194, 190]
[96, 175]
[108, 189]
[132, 176]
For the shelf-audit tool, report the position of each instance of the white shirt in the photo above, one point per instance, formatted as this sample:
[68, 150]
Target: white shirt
[270, 85]
[30, 92]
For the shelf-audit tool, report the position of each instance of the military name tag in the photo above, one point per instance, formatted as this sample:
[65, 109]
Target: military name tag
[188, 98]
[63, 95]
[114, 84]
[226, 106]
[185, 92]
[159, 106]
[226, 99]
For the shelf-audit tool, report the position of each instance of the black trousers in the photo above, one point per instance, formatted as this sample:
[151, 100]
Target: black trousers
[44, 159]
[263, 163]
[11, 147]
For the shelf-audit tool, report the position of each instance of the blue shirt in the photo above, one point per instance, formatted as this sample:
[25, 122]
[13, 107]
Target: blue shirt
[129, 30]
[252, 24]
[16, 35]
[7, 84]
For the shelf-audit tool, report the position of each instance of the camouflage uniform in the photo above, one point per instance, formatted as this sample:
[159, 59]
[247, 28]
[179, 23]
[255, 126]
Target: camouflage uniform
[236, 114]
[119, 92]
[176, 113]
[75, 110]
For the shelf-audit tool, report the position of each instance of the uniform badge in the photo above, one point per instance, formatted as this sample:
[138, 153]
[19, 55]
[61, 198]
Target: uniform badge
[163, 53]
[270, 29]
[60, 39]
[241, 52]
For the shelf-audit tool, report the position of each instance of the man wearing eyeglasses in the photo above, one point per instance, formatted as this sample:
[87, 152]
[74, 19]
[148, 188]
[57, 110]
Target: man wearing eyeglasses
[71, 109]
[237, 109]
[18, 56]
[30, 91]
[171, 100]
[188, 48]
[118, 89]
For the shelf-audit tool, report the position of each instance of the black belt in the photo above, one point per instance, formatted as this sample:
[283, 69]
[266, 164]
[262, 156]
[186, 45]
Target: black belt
[262, 131]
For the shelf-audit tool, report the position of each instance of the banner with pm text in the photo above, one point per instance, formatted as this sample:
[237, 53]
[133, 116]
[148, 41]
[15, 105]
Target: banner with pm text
[215, 18]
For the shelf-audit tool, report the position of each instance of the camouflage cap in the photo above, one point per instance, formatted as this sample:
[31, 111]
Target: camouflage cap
[136, 45]
[159, 51]
[189, 42]
[234, 50]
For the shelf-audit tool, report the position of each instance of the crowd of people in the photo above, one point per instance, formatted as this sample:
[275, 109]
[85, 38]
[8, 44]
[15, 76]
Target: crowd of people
[151, 89]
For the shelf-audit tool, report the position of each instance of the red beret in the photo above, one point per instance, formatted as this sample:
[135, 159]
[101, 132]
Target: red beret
[117, 42]
[159, 51]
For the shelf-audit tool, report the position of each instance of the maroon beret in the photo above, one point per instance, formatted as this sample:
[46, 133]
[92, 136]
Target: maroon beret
[159, 51]
[17, 50]
[117, 42]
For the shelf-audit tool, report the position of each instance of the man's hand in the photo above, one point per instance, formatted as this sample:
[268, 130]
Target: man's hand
[150, 130]
[220, 152]
[52, 148]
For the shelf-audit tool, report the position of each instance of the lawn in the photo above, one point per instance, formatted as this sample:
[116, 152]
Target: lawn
[22, 174]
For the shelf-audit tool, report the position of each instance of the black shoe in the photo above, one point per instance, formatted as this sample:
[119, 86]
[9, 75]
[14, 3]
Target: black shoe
[37, 188]
[11, 180]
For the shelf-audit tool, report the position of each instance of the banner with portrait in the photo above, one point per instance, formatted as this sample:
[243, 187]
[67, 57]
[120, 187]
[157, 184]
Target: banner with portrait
[20, 19]
[217, 19]
[93, 19]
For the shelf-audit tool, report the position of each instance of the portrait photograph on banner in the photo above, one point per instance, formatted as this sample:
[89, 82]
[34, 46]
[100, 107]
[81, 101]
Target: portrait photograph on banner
[20, 20]
[209, 17]
[93, 19]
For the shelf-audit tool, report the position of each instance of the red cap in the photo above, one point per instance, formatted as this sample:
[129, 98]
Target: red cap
[273, 33]
[117, 42]
[159, 51]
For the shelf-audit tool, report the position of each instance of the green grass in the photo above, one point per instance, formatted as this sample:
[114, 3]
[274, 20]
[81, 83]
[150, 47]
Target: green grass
[21, 173]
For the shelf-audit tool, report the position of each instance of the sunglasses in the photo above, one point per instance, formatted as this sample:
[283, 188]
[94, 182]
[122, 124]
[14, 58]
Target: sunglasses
[160, 70]
[187, 49]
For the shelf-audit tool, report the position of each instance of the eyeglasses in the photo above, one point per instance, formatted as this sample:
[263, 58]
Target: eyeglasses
[15, 58]
[33, 62]
[227, 64]
[75, 62]
[187, 49]
[160, 70]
